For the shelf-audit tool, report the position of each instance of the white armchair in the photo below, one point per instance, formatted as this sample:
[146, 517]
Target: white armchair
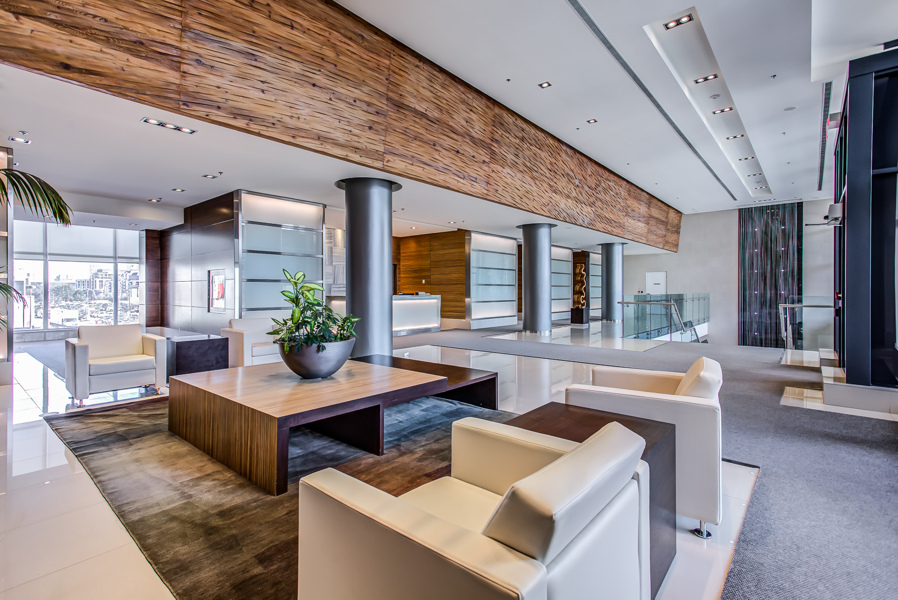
[523, 515]
[113, 357]
[249, 342]
[690, 402]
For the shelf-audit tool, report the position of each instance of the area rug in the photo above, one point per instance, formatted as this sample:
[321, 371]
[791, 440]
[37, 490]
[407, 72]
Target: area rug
[210, 533]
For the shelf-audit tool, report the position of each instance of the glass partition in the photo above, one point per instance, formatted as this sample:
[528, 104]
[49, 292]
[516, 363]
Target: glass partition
[595, 285]
[677, 317]
[493, 280]
[562, 282]
[806, 323]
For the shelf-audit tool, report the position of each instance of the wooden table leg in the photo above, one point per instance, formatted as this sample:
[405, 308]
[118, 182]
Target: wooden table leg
[482, 393]
[363, 428]
[283, 460]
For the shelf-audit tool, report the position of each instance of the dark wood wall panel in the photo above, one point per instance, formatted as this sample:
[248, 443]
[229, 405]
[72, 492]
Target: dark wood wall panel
[310, 74]
[414, 264]
[448, 273]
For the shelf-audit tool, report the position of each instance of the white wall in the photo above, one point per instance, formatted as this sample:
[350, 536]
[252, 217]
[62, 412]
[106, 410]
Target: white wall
[817, 276]
[706, 262]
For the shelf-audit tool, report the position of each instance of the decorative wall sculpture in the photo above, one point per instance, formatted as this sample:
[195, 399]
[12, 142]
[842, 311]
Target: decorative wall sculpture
[770, 239]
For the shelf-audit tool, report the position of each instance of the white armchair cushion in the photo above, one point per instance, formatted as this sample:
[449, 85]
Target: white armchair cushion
[121, 364]
[493, 456]
[661, 382]
[356, 541]
[702, 380]
[455, 501]
[112, 340]
[265, 348]
[541, 514]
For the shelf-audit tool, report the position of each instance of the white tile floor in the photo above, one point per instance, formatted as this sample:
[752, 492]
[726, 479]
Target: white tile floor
[597, 335]
[58, 536]
[60, 539]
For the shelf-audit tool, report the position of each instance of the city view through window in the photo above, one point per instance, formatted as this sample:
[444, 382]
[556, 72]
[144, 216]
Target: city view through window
[97, 285]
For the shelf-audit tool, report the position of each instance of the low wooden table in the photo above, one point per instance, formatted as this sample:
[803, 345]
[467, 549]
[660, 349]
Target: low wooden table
[472, 386]
[242, 416]
[577, 424]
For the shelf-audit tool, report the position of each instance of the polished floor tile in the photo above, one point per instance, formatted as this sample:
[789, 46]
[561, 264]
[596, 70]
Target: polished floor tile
[813, 399]
[801, 358]
[597, 335]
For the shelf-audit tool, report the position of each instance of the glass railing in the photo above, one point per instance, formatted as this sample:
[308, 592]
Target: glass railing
[806, 323]
[676, 317]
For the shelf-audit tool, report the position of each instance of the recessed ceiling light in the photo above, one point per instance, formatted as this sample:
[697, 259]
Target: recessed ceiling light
[177, 190]
[15, 164]
[166, 125]
[207, 176]
[412, 227]
[23, 132]
[452, 222]
[710, 77]
[681, 21]
[132, 224]
[755, 175]
[723, 110]
[155, 200]
[746, 158]
[591, 121]
[545, 84]
[19, 140]
[763, 187]
[736, 137]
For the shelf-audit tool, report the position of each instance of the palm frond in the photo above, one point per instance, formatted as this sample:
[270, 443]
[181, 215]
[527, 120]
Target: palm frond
[35, 194]
[10, 294]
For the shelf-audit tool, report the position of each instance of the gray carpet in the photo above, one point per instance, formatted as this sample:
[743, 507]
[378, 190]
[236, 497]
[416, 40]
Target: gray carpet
[210, 533]
[823, 520]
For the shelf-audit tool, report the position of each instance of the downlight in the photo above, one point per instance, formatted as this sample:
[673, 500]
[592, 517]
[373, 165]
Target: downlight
[167, 125]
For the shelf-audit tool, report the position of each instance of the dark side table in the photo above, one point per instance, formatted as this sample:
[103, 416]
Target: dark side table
[189, 352]
[577, 424]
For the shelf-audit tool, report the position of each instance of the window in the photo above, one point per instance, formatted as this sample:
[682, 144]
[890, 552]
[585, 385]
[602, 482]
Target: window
[82, 275]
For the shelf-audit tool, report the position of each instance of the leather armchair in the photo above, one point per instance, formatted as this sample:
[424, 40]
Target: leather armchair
[690, 402]
[523, 515]
[249, 342]
[113, 357]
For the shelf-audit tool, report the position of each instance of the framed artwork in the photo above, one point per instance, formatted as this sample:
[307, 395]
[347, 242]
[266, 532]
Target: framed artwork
[217, 291]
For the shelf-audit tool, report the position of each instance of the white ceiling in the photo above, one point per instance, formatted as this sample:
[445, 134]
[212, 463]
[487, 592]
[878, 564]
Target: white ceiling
[530, 41]
[94, 149]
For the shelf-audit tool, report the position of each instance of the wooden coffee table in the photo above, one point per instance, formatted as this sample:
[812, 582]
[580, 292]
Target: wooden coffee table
[576, 424]
[242, 416]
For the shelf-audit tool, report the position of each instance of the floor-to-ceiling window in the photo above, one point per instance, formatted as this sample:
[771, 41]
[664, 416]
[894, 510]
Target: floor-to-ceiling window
[73, 276]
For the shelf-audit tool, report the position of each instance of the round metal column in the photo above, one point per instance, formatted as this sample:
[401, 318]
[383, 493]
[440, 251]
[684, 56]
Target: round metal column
[612, 281]
[369, 261]
[537, 276]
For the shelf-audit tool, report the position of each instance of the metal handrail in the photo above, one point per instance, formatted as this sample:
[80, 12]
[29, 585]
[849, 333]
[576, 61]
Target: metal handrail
[675, 310]
[786, 325]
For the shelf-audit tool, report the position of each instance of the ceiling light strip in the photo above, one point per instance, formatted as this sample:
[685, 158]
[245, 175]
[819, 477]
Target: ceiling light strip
[591, 24]
[827, 96]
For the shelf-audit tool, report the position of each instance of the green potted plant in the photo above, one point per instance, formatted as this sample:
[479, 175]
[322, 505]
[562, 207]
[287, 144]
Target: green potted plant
[313, 341]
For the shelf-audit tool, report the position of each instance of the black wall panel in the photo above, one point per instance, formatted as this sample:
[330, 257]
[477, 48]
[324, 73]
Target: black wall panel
[770, 239]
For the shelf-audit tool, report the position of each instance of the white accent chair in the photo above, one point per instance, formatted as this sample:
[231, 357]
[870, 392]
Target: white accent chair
[113, 357]
[249, 342]
[523, 515]
[690, 402]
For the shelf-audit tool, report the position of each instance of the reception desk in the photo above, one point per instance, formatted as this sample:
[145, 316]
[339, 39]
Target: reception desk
[411, 314]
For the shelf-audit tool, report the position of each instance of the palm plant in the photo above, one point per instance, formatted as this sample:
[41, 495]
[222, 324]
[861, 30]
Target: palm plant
[37, 196]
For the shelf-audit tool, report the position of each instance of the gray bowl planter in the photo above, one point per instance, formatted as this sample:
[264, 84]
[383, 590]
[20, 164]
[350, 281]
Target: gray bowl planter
[309, 363]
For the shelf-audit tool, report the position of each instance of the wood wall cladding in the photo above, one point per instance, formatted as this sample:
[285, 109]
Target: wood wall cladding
[311, 74]
[437, 259]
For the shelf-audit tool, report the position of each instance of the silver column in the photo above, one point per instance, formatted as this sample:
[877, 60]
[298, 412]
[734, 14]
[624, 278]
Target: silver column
[537, 276]
[612, 281]
[369, 261]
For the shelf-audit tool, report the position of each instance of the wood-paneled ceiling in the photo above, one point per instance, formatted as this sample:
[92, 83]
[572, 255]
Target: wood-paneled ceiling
[310, 74]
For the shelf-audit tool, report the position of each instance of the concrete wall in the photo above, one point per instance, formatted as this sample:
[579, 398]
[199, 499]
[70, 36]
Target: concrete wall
[707, 262]
[817, 276]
